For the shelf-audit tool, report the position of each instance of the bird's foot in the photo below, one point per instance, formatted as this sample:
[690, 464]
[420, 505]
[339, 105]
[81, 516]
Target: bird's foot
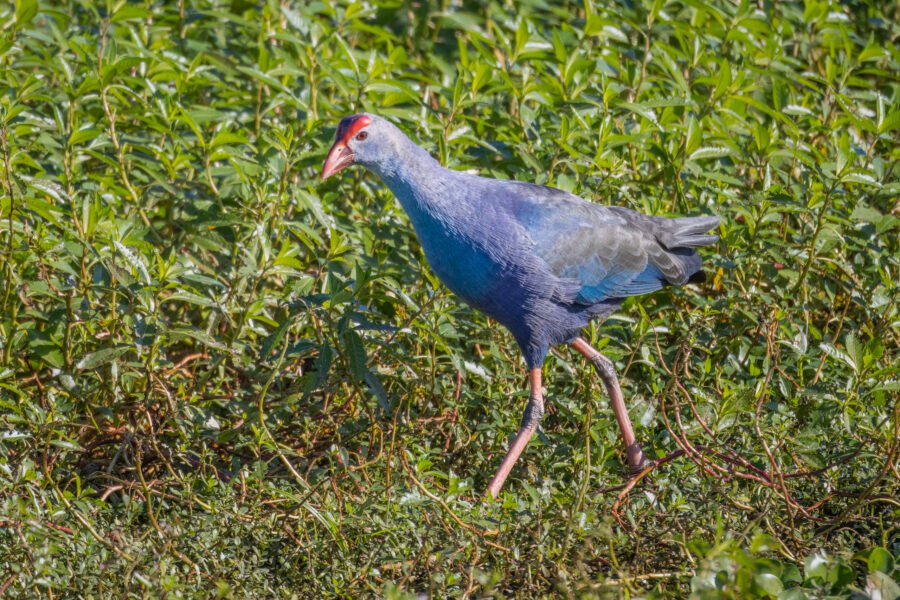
[637, 469]
[640, 469]
[637, 460]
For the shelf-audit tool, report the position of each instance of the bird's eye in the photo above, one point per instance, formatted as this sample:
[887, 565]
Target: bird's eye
[362, 135]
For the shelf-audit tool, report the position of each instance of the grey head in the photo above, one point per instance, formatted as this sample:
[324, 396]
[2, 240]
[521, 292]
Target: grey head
[368, 140]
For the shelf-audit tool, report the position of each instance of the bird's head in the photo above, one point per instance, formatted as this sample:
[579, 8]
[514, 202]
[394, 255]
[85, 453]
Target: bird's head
[362, 139]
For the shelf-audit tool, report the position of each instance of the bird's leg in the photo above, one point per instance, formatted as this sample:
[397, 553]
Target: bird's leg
[607, 372]
[530, 420]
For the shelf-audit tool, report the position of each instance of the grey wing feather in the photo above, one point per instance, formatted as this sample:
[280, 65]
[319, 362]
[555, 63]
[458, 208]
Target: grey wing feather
[613, 251]
[686, 232]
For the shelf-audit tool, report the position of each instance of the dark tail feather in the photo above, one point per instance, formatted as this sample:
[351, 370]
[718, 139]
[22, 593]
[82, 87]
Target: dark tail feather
[687, 232]
[698, 277]
[690, 266]
[680, 237]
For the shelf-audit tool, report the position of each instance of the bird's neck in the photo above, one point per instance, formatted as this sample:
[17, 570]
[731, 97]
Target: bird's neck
[420, 183]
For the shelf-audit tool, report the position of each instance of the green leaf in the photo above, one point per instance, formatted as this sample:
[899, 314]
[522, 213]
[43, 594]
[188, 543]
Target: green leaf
[185, 296]
[83, 135]
[200, 336]
[840, 355]
[377, 388]
[880, 585]
[890, 122]
[816, 565]
[67, 445]
[770, 583]
[225, 137]
[274, 340]
[25, 12]
[881, 560]
[854, 351]
[643, 110]
[861, 212]
[709, 152]
[723, 82]
[356, 353]
[861, 177]
[99, 358]
[129, 12]
[872, 51]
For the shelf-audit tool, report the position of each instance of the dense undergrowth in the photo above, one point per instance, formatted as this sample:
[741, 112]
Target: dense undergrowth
[220, 376]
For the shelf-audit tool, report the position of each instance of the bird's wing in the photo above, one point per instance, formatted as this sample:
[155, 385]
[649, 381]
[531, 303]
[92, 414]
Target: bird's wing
[607, 260]
[598, 252]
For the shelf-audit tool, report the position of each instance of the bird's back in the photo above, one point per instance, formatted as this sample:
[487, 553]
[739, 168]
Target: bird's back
[539, 260]
[605, 251]
[549, 261]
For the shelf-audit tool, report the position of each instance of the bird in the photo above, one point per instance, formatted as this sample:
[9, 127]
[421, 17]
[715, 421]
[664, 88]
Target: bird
[538, 260]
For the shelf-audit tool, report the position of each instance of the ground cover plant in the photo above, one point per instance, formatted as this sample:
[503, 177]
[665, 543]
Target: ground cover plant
[222, 377]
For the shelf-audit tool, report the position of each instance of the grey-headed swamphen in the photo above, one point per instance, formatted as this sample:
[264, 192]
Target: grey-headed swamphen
[538, 260]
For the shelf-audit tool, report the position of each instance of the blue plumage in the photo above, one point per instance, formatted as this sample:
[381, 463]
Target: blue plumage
[540, 261]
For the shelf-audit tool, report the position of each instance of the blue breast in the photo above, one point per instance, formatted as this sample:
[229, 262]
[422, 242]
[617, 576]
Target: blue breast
[463, 267]
[475, 244]
[471, 256]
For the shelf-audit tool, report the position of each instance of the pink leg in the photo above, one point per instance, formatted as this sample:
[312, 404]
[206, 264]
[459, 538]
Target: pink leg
[533, 413]
[607, 372]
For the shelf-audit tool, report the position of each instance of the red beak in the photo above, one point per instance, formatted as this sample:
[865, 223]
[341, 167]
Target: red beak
[339, 157]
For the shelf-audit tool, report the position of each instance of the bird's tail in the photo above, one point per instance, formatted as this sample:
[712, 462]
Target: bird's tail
[686, 232]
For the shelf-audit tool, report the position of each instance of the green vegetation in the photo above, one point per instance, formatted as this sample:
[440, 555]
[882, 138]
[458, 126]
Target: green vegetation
[219, 375]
